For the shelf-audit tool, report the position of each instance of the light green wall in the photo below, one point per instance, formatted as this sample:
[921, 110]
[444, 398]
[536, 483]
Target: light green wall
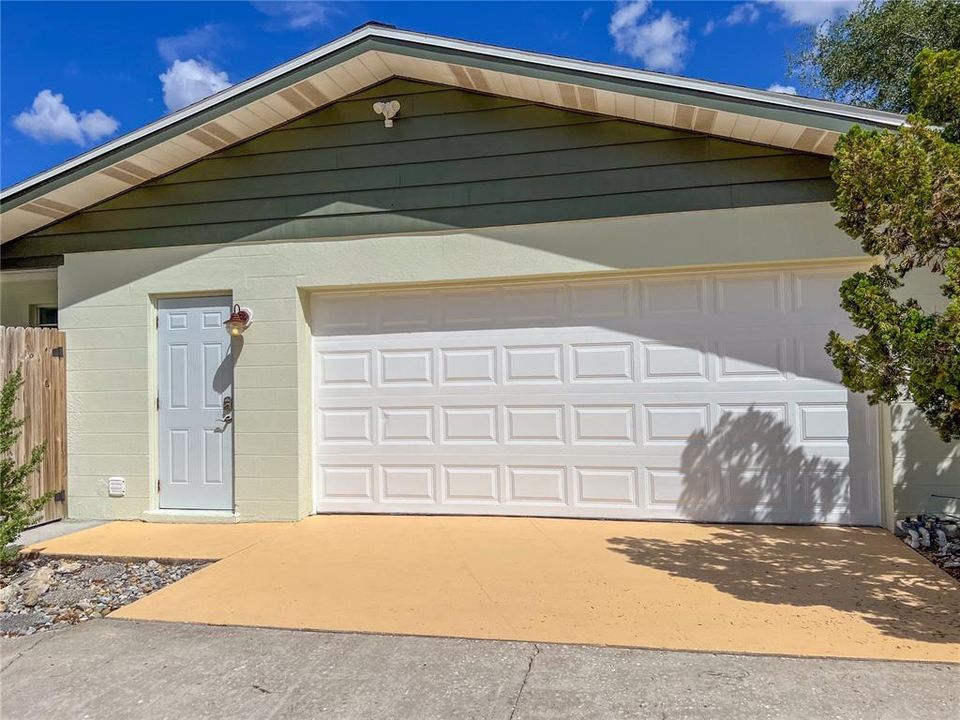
[107, 312]
[20, 290]
[923, 465]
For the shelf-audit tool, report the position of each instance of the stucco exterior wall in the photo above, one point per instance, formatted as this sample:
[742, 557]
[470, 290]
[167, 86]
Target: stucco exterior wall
[923, 465]
[21, 290]
[107, 302]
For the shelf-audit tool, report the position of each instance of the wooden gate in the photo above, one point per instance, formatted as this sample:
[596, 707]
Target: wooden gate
[43, 403]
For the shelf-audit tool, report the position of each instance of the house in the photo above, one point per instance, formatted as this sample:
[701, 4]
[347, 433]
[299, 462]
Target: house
[478, 280]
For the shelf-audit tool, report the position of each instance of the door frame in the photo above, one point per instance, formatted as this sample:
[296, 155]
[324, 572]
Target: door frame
[153, 388]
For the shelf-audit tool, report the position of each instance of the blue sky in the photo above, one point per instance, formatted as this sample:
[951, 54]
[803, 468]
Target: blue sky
[75, 74]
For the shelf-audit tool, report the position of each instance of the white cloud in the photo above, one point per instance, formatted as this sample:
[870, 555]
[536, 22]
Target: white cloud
[202, 41]
[785, 89]
[661, 43]
[187, 81]
[812, 12]
[50, 120]
[296, 15]
[743, 14]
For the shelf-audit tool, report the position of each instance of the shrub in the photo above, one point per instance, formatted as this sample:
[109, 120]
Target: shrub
[17, 510]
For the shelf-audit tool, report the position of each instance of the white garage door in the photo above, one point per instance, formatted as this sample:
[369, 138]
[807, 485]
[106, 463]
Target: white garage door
[702, 396]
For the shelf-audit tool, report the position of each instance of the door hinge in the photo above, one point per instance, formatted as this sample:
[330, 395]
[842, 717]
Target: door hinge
[60, 496]
[57, 352]
[158, 403]
[158, 486]
[156, 321]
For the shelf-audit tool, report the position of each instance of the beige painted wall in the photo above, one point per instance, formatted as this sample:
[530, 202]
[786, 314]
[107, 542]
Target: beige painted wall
[19, 289]
[107, 310]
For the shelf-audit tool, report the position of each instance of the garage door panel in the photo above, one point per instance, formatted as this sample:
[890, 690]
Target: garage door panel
[753, 358]
[533, 364]
[602, 301]
[406, 312]
[406, 425]
[762, 487]
[685, 296]
[603, 486]
[405, 484]
[346, 426]
[603, 424]
[465, 309]
[533, 424]
[602, 362]
[346, 368]
[472, 484]
[346, 483]
[674, 423]
[704, 397]
[468, 366]
[749, 295]
[470, 424]
[536, 485]
[669, 363]
[406, 367]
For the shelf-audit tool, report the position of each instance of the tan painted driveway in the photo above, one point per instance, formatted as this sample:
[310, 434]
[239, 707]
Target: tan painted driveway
[784, 590]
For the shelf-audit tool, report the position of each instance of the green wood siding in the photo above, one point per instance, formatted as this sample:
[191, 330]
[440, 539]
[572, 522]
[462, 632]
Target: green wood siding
[454, 159]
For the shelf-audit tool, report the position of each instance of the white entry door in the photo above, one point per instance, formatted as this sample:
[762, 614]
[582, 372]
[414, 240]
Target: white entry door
[195, 404]
[701, 396]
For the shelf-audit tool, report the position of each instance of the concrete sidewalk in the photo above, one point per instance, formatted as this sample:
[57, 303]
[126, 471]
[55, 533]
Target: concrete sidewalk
[116, 668]
[158, 541]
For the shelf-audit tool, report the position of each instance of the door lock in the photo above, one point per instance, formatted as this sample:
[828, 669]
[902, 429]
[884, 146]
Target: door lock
[227, 409]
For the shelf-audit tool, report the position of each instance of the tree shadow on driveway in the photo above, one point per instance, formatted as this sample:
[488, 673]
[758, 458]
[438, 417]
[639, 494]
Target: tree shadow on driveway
[753, 460]
[850, 570]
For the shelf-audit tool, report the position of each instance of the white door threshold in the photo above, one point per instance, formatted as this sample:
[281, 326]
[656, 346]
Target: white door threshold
[190, 516]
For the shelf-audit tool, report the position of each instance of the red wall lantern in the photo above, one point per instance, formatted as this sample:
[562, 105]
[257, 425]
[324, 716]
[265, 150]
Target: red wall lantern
[239, 320]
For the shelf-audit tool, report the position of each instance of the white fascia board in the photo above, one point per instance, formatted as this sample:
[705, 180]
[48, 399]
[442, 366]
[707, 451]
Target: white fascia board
[795, 102]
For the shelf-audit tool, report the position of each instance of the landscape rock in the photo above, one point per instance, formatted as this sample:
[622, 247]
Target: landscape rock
[103, 571]
[43, 575]
[62, 597]
[10, 593]
[87, 589]
[19, 624]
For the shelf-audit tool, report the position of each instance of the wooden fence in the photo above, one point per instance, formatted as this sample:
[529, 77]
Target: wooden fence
[43, 402]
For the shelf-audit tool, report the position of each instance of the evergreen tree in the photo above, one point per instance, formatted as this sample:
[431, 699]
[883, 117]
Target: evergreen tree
[17, 510]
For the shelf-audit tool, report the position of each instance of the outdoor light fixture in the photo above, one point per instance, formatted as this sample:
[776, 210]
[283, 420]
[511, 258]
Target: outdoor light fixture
[388, 110]
[239, 320]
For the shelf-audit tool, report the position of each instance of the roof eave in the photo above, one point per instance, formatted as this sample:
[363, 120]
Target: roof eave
[728, 92]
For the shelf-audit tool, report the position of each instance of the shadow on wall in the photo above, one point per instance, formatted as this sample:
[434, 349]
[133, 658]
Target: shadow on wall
[844, 569]
[925, 466]
[748, 463]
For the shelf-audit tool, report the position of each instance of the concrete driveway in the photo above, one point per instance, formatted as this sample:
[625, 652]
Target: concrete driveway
[804, 591]
[112, 668]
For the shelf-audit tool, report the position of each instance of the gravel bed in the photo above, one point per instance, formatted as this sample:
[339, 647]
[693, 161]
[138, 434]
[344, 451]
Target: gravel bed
[39, 593]
[950, 564]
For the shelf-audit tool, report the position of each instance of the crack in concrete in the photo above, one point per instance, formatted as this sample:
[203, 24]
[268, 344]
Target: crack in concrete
[40, 638]
[523, 682]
